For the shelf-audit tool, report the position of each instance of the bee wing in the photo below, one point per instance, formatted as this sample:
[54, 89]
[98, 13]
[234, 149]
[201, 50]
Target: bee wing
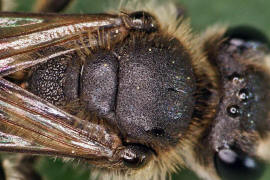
[31, 125]
[29, 39]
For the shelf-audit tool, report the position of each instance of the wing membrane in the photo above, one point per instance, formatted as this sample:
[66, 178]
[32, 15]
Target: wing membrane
[46, 128]
[11, 143]
[22, 36]
[28, 123]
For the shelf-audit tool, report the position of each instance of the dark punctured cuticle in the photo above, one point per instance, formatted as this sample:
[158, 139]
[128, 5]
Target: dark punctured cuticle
[155, 93]
[144, 87]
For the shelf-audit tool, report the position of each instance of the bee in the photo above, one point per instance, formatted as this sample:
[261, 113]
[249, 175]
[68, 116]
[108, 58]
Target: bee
[133, 94]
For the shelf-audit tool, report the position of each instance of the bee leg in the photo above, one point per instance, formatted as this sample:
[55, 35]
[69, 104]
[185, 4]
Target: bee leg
[20, 167]
[51, 5]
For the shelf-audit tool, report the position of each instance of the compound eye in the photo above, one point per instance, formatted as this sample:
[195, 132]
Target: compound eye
[235, 165]
[136, 156]
[247, 38]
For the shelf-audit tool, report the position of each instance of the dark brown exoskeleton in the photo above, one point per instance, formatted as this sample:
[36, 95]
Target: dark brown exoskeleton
[133, 94]
[124, 91]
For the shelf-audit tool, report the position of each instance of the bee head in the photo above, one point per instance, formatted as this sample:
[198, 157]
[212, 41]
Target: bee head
[234, 139]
